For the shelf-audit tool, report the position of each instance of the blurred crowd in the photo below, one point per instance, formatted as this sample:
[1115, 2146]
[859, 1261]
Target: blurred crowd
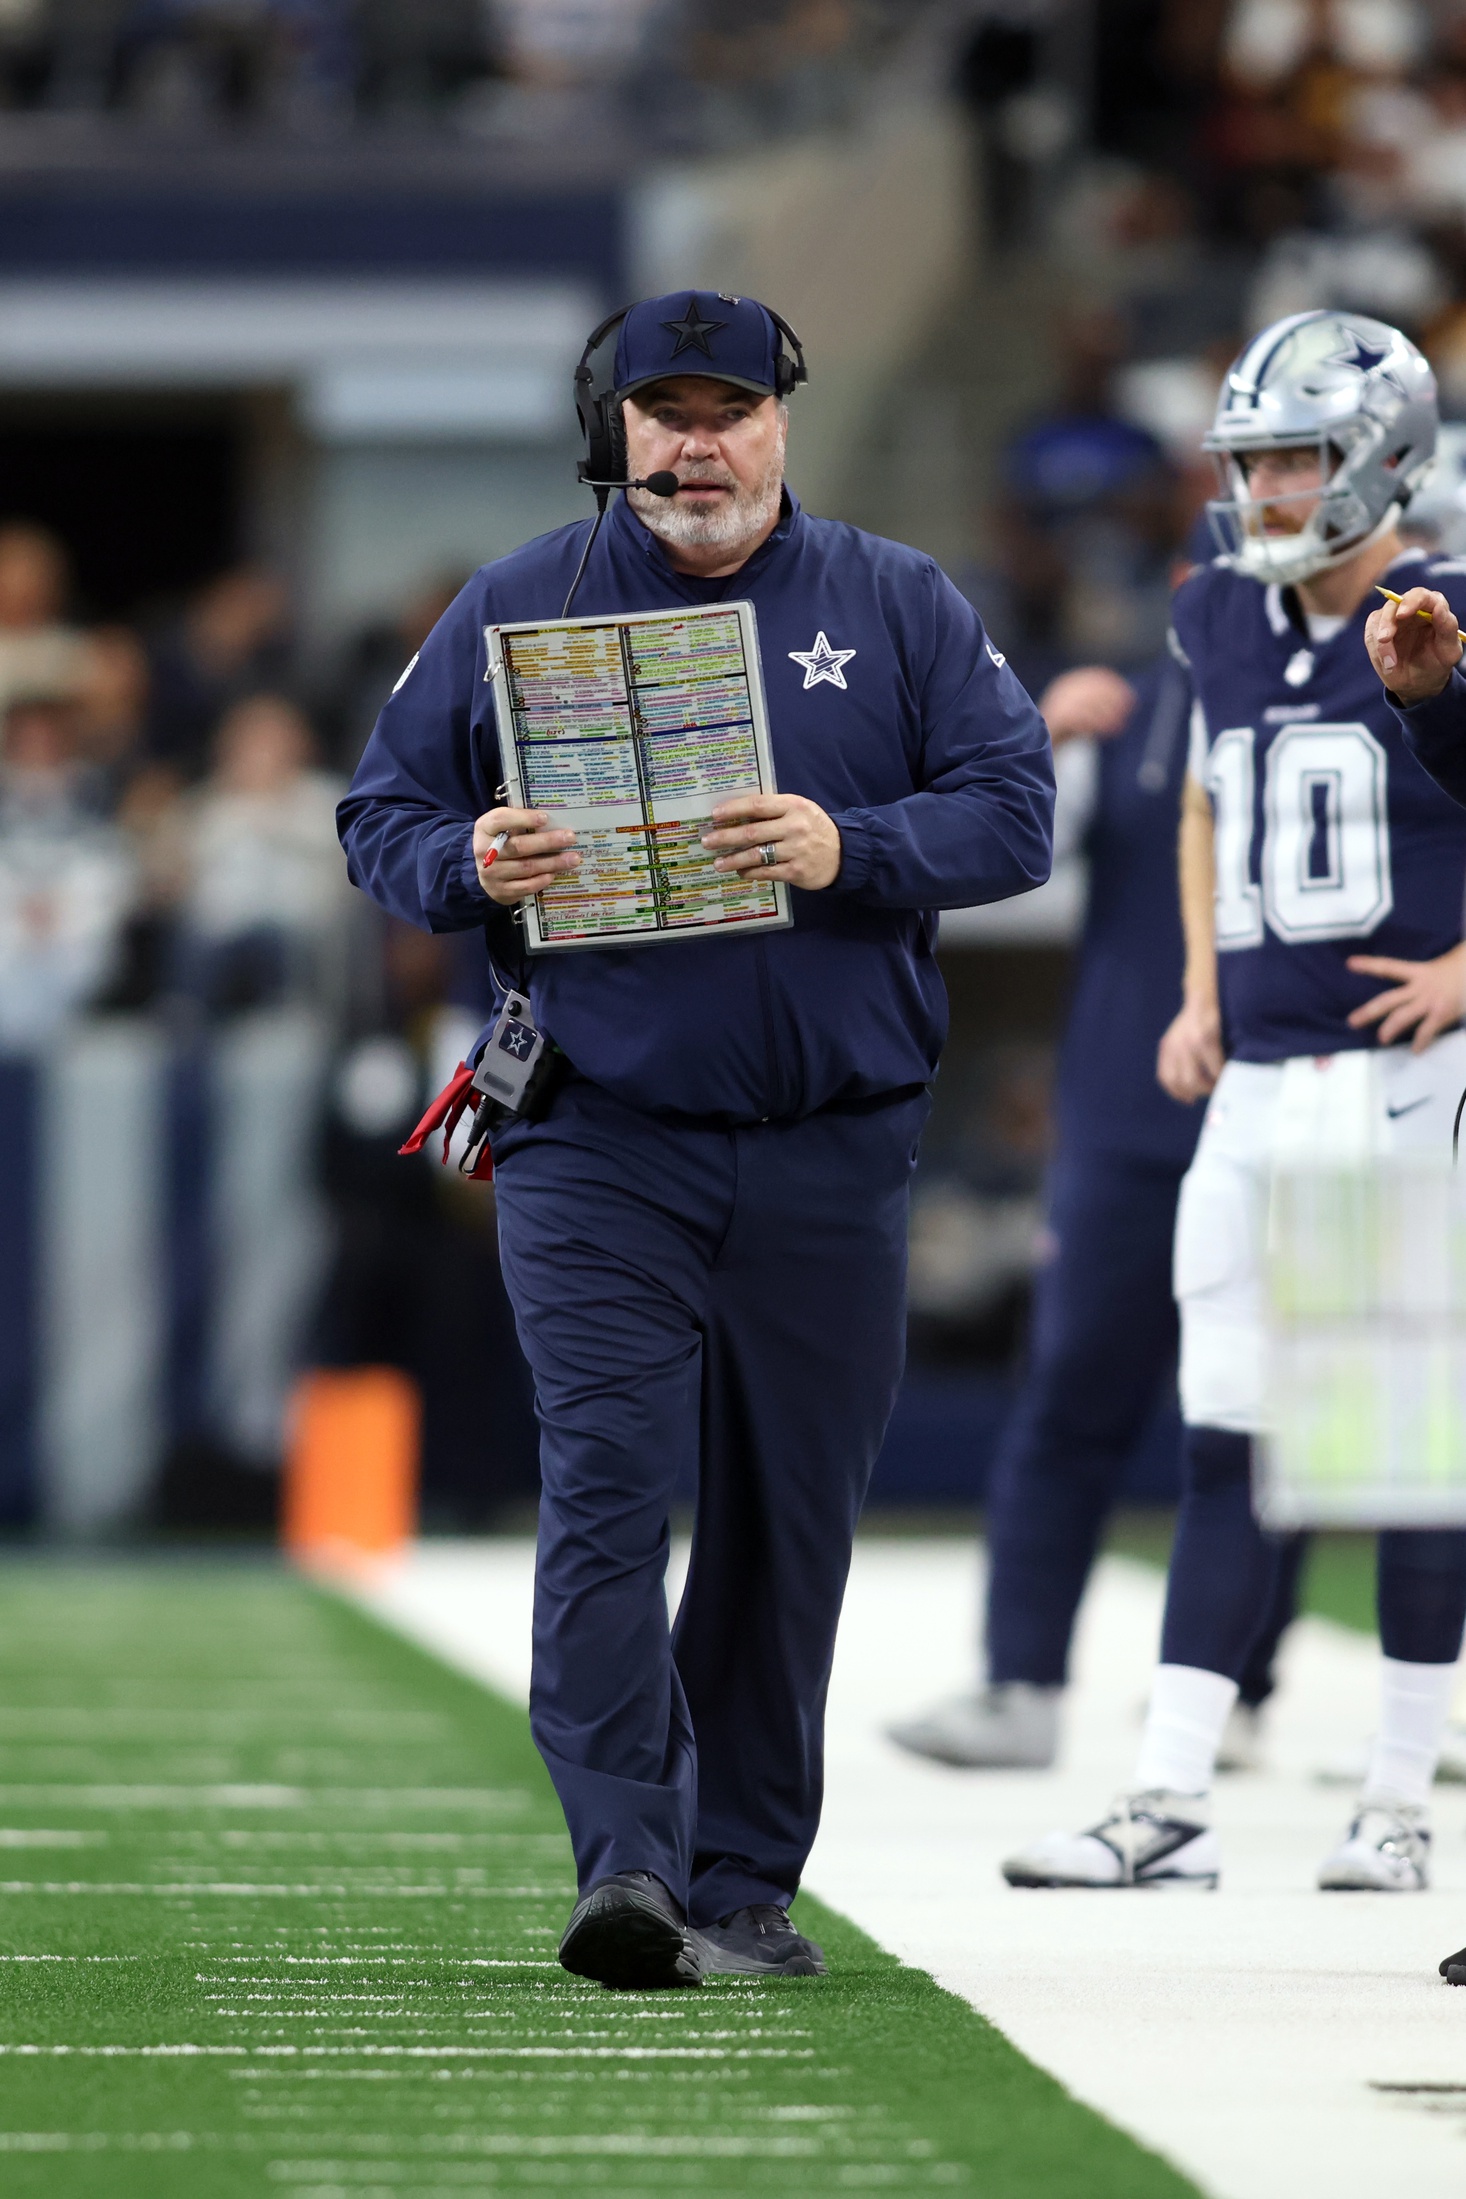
[1239, 160]
[299, 64]
[167, 797]
[168, 853]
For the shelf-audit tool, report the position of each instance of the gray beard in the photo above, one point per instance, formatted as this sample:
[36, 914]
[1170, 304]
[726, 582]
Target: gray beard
[740, 519]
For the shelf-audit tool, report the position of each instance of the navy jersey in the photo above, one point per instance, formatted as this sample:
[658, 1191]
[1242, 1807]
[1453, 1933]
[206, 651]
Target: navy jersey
[1330, 839]
[1127, 985]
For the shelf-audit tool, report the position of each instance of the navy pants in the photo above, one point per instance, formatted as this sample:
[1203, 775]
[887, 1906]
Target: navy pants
[1224, 1574]
[728, 1304]
[1102, 1358]
[1102, 1361]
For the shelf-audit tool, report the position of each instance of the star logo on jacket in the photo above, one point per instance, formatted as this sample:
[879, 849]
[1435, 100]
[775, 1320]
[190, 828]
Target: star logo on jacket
[692, 331]
[822, 662]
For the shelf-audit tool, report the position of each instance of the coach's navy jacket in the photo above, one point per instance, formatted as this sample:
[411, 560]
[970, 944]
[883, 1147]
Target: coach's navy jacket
[932, 761]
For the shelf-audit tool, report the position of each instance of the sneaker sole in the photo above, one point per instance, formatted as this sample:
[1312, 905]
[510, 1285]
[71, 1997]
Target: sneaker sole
[628, 1943]
[1035, 1881]
[957, 1758]
[716, 1964]
[1341, 1882]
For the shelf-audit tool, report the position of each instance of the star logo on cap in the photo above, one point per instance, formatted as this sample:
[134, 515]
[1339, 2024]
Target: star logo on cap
[822, 662]
[692, 331]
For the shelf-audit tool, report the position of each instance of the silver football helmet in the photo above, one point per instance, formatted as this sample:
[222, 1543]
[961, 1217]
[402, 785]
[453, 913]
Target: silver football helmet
[1359, 391]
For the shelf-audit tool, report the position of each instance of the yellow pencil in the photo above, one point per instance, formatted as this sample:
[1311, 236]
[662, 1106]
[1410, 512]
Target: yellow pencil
[1401, 599]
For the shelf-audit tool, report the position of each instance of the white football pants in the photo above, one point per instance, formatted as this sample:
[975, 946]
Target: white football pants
[1221, 1220]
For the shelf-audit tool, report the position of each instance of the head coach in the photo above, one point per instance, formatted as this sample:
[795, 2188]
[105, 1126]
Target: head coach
[704, 1232]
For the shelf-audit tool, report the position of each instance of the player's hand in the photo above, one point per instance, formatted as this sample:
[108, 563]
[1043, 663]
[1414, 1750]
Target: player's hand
[1189, 1059]
[533, 857]
[1426, 996]
[805, 840]
[1414, 659]
[1092, 700]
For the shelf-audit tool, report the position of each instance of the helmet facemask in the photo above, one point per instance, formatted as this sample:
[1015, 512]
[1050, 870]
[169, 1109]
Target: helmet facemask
[1337, 527]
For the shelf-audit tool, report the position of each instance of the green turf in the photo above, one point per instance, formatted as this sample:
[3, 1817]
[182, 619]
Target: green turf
[1338, 1574]
[279, 1905]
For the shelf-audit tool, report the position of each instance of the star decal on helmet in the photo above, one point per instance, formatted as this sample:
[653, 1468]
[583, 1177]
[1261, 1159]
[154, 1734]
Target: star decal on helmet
[1355, 352]
[692, 331]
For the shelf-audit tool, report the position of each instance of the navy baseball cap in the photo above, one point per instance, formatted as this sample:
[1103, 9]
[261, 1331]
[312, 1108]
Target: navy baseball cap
[697, 332]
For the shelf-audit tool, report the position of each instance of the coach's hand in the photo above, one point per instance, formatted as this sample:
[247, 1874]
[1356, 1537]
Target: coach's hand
[533, 858]
[1414, 659]
[803, 840]
[1428, 996]
[1190, 1058]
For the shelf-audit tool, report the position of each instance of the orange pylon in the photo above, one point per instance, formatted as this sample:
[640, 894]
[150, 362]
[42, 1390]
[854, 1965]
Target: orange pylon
[351, 1464]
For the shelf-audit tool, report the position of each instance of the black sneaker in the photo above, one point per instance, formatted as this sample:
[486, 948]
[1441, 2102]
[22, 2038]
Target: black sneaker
[629, 1932]
[1453, 1969]
[760, 1942]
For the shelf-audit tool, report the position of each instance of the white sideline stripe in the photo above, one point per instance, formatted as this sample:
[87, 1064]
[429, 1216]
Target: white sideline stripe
[1242, 2034]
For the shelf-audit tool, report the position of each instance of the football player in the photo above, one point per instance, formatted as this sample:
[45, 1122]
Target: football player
[1322, 877]
[1102, 1343]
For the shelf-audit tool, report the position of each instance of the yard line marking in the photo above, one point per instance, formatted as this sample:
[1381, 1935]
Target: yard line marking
[23, 1836]
[231, 1795]
[424, 2053]
[275, 1893]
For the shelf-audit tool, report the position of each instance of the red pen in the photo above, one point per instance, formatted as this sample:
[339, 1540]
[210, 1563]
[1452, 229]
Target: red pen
[497, 846]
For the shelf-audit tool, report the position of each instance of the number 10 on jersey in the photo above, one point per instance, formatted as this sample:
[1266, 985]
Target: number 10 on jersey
[1323, 871]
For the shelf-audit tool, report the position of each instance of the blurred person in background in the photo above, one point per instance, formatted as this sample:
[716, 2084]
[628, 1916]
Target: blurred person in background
[66, 878]
[1087, 519]
[363, 676]
[1102, 1352]
[291, 61]
[40, 653]
[415, 1279]
[233, 640]
[557, 42]
[263, 913]
[113, 685]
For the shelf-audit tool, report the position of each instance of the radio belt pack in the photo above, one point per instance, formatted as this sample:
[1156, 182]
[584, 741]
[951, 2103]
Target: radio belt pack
[514, 1081]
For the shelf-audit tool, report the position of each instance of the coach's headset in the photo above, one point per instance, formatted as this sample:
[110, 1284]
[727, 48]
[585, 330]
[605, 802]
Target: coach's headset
[599, 408]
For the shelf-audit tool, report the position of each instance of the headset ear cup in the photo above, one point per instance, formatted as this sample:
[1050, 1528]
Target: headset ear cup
[618, 468]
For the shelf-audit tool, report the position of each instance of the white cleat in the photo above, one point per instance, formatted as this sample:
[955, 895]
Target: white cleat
[1386, 1851]
[1150, 1839]
[1009, 1727]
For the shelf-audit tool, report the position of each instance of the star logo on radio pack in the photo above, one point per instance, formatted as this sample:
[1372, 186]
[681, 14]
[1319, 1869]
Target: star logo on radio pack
[822, 662]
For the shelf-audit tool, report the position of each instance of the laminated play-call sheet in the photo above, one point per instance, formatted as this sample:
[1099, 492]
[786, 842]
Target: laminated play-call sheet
[629, 730]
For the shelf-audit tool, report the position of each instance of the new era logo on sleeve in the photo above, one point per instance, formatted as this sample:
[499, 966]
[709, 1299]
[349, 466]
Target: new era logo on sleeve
[996, 654]
[822, 662]
[407, 671]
